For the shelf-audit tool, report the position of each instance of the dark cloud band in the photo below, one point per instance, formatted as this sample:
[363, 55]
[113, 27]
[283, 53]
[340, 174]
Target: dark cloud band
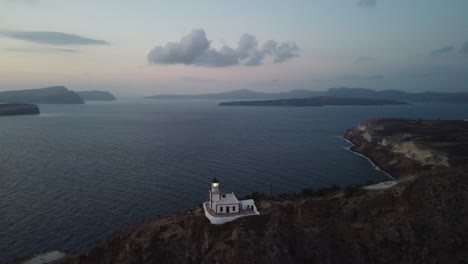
[442, 51]
[52, 38]
[42, 50]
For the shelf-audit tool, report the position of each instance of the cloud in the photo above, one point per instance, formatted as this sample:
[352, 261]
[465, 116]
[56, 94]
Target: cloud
[280, 51]
[464, 48]
[195, 49]
[364, 59]
[367, 3]
[41, 50]
[442, 51]
[52, 38]
[375, 77]
[246, 46]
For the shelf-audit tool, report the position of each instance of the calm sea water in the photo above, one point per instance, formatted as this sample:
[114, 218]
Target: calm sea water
[76, 173]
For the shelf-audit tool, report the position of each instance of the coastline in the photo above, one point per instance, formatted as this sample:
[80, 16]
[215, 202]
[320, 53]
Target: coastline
[367, 158]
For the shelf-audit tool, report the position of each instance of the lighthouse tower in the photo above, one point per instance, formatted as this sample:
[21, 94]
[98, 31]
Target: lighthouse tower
[214, 193]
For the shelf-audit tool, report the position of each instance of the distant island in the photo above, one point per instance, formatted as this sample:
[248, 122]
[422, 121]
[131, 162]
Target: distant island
[436, 97]
[243, 94]
[398, 95]
[315, 101]
[417, 218]
[18, 109]
[96, 96]
[48, 95]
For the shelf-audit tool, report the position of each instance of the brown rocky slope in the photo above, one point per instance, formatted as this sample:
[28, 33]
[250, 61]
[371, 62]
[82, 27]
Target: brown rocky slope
[423, 219]
[406, 147]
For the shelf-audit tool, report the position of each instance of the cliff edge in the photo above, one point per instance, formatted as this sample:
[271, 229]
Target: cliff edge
[405, 147]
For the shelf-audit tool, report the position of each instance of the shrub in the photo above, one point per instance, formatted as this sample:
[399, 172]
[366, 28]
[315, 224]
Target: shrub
[326, 190]
[254, 195]
[353, 190]
[307, 192]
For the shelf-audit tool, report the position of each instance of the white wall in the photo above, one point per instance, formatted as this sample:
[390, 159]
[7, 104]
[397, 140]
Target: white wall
[222, 219]
[250, 203]
[215, 196]
[218, 209]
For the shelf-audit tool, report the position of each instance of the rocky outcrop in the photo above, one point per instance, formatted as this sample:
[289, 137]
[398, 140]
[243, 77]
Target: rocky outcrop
[421, 219]
[96, 96]
[405, 147]
[18, 109]
[49, 95]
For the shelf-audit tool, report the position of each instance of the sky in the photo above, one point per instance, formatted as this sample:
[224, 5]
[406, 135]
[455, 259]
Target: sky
[140, 48]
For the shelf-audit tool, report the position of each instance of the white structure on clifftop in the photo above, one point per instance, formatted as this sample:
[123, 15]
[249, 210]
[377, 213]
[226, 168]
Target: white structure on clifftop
[224, 207]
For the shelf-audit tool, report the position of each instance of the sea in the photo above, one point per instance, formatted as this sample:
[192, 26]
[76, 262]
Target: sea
[74, 174]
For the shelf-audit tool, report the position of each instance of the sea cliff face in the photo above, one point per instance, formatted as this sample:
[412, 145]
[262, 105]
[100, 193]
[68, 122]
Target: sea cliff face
[405, 147]
[420, 219]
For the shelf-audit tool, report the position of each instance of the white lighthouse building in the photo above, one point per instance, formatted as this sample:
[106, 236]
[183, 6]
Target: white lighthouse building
[224, 207]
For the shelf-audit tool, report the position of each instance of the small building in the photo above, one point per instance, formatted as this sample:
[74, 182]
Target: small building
[225, 207]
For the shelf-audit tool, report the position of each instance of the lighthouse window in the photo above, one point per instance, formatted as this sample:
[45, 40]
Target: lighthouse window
[221, 209]
[233, 208]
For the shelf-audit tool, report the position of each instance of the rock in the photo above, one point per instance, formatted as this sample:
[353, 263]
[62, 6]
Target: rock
[96, 96]
[377, 227]
[406, 147]
[18, 109]
[49, 95]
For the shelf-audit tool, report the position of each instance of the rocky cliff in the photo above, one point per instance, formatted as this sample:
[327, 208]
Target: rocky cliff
[49, 95]
[96, 96]
[18, 109]
[420, 219]
[405, 147]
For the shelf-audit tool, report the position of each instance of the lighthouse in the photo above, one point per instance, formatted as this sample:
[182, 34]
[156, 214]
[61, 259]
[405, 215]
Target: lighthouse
[222, 203]
[224, 207]
[214, 192]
